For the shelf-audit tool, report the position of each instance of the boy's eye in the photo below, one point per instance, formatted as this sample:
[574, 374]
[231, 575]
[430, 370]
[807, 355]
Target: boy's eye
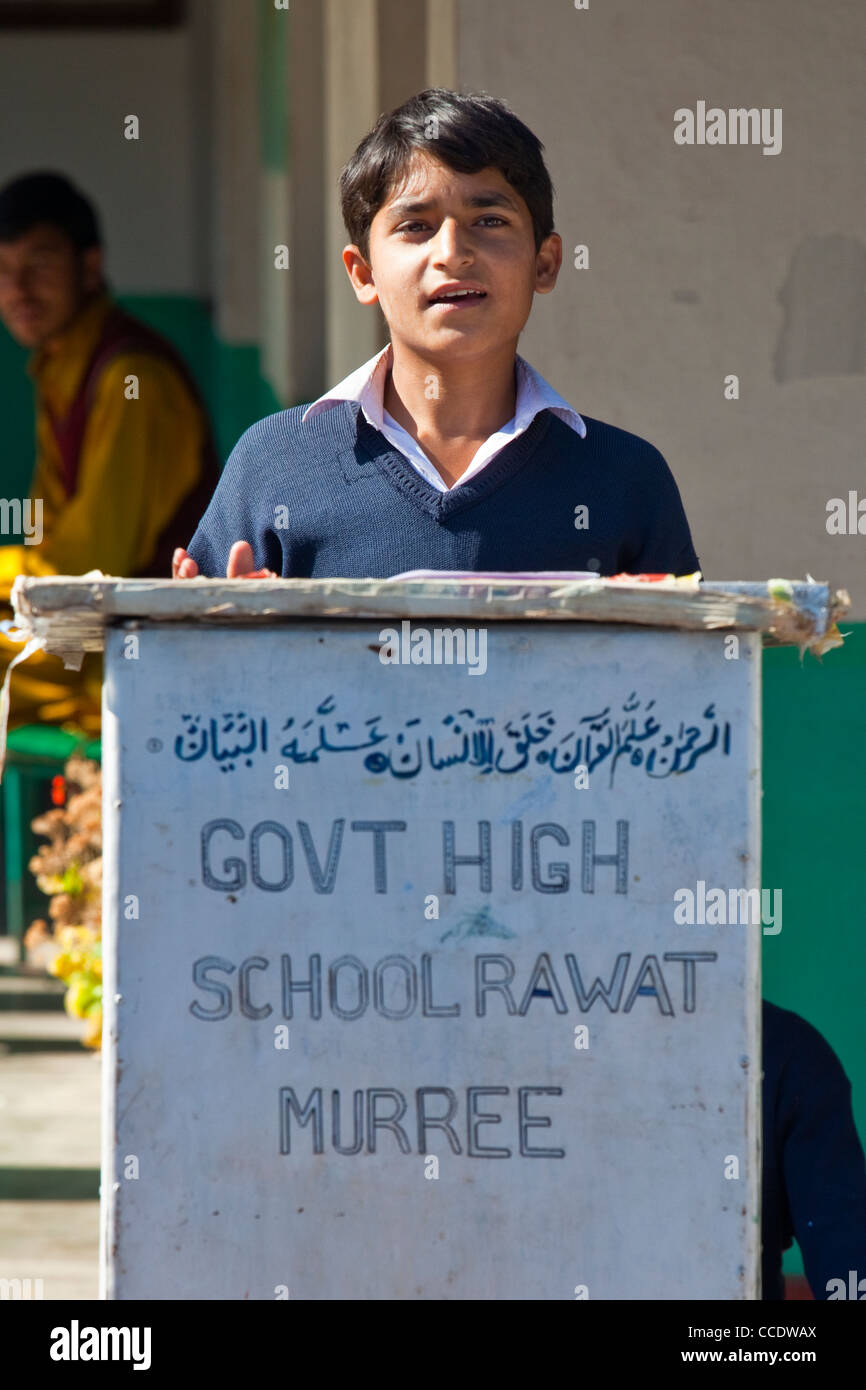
[488, 217]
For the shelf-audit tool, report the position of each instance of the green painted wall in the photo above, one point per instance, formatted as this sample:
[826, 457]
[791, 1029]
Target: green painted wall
[813, 847]
[16, 441]
[229, 376]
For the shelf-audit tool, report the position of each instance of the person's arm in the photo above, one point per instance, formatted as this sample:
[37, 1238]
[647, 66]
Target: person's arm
[236, 514]
[19, 559]
[665, 545]
[822, 1163]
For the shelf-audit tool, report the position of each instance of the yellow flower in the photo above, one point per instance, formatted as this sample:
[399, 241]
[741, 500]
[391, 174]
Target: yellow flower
[76, 936]
[92, 1035]
[80, 996]
[61, 965]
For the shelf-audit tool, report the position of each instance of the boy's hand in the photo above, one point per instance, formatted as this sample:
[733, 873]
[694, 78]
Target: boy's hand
[183, 566]
[240, 565]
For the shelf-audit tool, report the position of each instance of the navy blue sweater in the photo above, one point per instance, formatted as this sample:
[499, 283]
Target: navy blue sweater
[333, 498]
[814, 1174]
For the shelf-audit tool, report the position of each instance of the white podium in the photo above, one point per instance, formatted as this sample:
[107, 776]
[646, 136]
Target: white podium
[432, 954]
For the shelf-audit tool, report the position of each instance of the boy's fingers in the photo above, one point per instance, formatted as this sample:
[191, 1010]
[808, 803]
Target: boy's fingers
[241, 561]
[183, 566]
[240, 564]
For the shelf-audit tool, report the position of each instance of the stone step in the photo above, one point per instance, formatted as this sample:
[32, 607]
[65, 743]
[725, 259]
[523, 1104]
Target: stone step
[45, 1184]
[55, 1242]
[49, 1114]
[9, 952]
[39, 1030]
[22, 990]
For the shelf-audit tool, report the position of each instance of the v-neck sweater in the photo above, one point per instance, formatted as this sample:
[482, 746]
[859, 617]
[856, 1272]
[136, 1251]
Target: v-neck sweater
[331, 497]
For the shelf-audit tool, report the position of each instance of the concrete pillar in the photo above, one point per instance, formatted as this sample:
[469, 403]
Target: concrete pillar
[235, 185]
[351, 71]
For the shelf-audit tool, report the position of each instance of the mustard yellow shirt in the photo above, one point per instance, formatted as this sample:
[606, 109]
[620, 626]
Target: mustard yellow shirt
[139, 458]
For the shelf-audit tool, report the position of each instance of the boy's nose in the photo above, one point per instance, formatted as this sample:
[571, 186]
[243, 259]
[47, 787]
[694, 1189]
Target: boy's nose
[449, 244]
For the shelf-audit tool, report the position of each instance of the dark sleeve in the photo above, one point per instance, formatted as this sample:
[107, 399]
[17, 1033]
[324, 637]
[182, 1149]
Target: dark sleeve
[822, 1162]
[238, 511]
[665, 545]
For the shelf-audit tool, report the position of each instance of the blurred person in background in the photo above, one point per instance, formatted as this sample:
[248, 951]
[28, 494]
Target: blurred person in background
[125, 458]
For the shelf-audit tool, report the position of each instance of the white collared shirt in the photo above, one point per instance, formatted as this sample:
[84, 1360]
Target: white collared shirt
[366, 385]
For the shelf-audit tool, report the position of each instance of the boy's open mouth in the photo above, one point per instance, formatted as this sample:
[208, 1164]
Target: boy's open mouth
[457, 296]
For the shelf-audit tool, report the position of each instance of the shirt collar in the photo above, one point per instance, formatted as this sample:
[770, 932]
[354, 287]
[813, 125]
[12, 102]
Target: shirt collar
[366, 385]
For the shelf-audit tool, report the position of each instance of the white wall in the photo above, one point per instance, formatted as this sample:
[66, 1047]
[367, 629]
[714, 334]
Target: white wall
[691, 251]
[63, 97]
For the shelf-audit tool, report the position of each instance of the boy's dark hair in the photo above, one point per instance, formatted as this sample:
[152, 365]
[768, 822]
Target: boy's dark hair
[48, 197]
[466, 131]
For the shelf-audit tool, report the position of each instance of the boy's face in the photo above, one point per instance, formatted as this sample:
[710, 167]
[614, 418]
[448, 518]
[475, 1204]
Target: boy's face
[442, 228]
[44, 281]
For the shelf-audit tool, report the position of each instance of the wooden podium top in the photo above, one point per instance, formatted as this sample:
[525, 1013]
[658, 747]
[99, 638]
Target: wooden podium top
[69, 613]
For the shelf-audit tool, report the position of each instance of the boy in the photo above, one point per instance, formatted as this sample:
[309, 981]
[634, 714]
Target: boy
[447, 450]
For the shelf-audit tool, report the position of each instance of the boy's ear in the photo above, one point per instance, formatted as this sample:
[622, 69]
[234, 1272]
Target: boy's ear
[547, 263]
[361, 275]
